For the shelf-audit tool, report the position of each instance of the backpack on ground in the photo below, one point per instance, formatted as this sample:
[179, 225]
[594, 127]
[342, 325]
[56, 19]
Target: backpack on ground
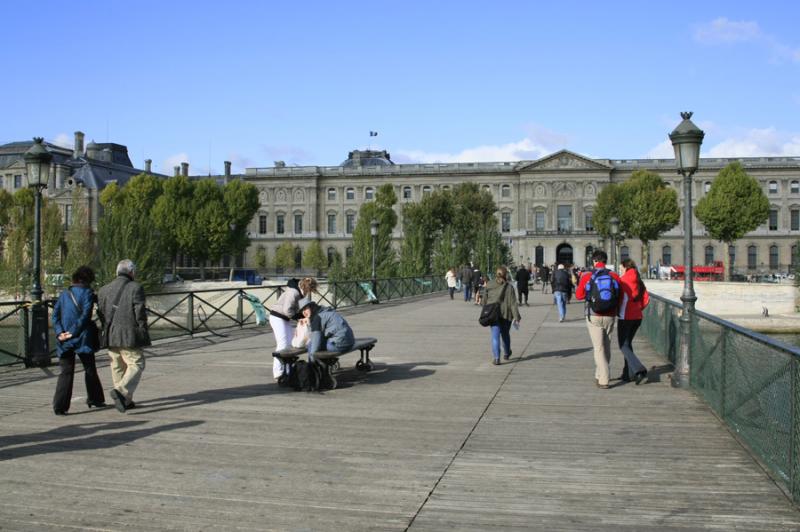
[307, 375]
[603, 292]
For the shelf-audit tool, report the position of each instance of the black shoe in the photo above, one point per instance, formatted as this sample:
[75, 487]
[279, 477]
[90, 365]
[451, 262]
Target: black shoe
[60, 412]
[95, 404]
[640, 376]
[603, 386]
[624, 378]
[496, 362]
[119, 400]
[129, 406]
[507, 355]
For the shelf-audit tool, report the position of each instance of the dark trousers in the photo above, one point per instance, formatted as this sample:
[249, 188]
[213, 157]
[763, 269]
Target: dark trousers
[452, 290]
[525, 293]
[626, 330]
[94, 390]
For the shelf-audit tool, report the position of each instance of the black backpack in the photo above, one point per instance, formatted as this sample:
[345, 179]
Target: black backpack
[603, 292]
[308, 376]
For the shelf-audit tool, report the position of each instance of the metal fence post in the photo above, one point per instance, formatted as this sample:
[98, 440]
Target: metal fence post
[24, 342]
[190, 313]
[240, 309]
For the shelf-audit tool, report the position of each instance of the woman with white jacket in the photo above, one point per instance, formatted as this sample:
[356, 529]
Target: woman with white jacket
[282, 314]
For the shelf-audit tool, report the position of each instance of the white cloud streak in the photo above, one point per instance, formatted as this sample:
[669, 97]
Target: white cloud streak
[722, 31]
[764, 142]
[525, 149]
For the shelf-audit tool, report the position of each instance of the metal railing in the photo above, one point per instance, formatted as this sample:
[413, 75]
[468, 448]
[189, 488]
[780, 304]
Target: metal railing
[751, 381]
[187, 312]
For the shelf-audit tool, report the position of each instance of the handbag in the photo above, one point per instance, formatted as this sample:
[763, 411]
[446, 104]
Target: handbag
[490, 313]
[92, 332]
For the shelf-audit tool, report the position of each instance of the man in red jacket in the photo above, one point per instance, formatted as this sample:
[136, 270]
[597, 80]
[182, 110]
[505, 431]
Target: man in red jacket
[600, 324]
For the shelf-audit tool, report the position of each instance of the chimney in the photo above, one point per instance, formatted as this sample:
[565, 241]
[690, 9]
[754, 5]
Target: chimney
[227, 168]
[62, 172]
[177, 170]
[147, 163]
[185, 169]
[78, 149]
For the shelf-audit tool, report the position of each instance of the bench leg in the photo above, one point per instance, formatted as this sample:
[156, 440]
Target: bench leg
[364, 364]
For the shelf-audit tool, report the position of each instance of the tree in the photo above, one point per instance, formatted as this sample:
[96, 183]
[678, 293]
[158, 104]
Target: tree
[651, 209]
[360, 265]
[314, 257]
[734, 205]
[173, 210]
[79, 239]
[52, 237]
[18, 244]
[127, 231]
[284, 256]
[611, 202]
[241, 204]
[205, 234]
[261, 257]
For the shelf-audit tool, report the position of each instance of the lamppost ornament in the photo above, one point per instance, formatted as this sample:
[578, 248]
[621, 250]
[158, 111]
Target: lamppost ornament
[686, 140]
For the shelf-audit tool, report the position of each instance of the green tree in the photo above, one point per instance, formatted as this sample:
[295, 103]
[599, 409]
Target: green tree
[360, 265]
[651, 209]
[126, 230]
[734, 205]
[205, 235]
[171, 212]
[241, 204]
[314, 257]
[261, 257]
[612, 201]
[52, 238]
[18, 245]
[284, 256]
[79, 238]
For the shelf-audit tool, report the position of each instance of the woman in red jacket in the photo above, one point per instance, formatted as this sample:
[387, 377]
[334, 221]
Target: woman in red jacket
[634, 299]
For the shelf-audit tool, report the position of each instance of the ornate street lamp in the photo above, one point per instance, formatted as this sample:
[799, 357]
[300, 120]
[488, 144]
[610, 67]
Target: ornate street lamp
[373, 230]
[613, 223]
[37, 166]
[686, 141]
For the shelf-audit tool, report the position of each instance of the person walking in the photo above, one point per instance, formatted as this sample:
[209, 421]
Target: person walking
[478, 280]
[544, 272]
[523, 277]
[562, 288]
[466, 281]
[600, 288]
[76, 334]
[634, 299]
[450, 277]
[121, 307]
[499, 291]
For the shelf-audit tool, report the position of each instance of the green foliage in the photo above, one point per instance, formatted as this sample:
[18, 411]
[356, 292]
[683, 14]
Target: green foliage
[52, 237]
[261, 257]
[18, 244]
[336, 271]
[284, 256]
[360, 265]
[172, 211]
[79, 238]
[127, 230]
[734, 206]
[314, 257]
[241, 204]
[611, 202]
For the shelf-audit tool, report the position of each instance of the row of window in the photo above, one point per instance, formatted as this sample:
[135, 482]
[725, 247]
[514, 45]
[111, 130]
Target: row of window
[752, 255]
[280, 224]
[15, 179]
[407, 192]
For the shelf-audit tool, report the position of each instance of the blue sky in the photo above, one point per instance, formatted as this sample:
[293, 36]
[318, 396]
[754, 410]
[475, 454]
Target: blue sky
[305, 82]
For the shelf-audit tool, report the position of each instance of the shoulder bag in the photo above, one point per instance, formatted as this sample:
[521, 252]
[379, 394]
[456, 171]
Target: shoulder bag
[490, 313]
[92, 332]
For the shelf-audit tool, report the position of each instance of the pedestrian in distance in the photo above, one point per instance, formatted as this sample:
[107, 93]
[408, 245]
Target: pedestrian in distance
[600, 288]
[478, 280]
[76, 335]
[544, 273]
[121, 307]
[465, 276]
[450, 278]
[634, 299]
[500, 291]
[523, 277]
[562, 288]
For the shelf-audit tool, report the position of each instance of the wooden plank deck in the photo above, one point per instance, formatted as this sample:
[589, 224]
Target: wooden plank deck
[435, 438]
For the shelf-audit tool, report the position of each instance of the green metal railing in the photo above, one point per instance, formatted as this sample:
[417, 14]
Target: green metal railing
[180, 313]
[751, 381]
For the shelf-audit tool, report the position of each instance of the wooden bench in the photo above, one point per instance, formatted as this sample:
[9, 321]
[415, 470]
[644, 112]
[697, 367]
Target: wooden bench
[330, 359]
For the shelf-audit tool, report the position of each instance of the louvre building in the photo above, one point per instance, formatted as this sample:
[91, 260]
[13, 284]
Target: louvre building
[545, 206]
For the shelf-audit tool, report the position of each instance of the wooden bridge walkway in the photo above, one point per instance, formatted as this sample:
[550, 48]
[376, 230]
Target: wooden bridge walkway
[435, 438]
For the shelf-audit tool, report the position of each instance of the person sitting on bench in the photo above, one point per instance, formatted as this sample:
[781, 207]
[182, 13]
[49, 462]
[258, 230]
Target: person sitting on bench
[329, 330]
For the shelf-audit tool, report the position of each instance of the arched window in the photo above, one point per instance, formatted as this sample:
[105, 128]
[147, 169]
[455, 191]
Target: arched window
[589, 217]
[795, 187]
[406, 193]
[752, 257]
[331, 194]
[348, 252]
[624, 253]
[331, 256]
[298, 258]
[369, 193]
[505, 191]
[666, 255]
[350, 193]
[426, 190]
[774, 257]
[709, 254]
[706, 186]
[539, 256]
[487, 188]
[773, 187]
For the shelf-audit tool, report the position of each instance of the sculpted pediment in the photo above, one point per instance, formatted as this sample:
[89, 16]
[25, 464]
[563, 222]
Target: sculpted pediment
[565, 160]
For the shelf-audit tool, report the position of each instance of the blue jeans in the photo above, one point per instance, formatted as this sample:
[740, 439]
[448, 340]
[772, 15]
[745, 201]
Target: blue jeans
[501, 331]
[467, 292]
[561, 303]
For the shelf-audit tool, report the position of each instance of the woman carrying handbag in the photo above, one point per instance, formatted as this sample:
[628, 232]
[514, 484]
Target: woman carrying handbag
[76, 334]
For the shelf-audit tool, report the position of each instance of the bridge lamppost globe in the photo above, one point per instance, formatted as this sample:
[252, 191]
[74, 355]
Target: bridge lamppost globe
[613, 223]
[373, 230]
[686, 140]
[37, 167]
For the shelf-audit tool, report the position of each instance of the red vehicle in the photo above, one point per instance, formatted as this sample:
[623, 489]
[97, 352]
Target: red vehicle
[712, 272]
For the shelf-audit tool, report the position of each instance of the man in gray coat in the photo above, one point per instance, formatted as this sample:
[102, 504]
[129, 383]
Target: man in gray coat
[121, 307]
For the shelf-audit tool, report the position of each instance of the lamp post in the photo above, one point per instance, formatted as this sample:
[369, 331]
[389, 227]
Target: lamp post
[686, 140]
[614, 227]
[373, 230]
[37, 166]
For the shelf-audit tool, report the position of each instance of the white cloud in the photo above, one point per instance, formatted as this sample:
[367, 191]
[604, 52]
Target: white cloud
[525, 149]
[662, 151]
[172, 161]
[64, 140]
[239, 162]
[722, 31]
[766, 142]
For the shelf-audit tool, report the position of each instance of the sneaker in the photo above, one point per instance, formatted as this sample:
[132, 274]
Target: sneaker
[119, 400]
[603, 386]
[640, 376]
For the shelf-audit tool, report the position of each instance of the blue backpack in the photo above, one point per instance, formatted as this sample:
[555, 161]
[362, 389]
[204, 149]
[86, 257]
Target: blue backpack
[603, 292]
